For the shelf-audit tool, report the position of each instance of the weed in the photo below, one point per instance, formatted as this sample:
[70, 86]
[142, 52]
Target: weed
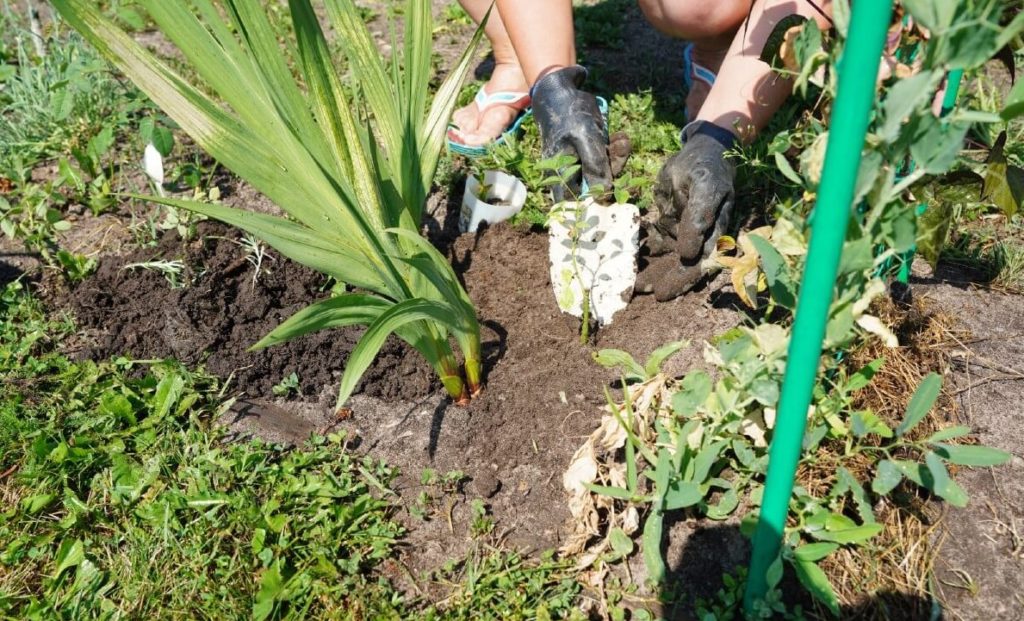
[287, 386]
[171, 270]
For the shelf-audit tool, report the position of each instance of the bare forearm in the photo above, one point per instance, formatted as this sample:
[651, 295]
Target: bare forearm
[747, 92]
[541, 32]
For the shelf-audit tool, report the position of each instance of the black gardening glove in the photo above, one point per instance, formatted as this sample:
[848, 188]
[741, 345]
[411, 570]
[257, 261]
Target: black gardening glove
[693, 201]
[570, 123]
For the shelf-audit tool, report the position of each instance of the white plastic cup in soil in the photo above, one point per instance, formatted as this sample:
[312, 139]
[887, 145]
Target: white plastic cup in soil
[593, 251]
[500, 197]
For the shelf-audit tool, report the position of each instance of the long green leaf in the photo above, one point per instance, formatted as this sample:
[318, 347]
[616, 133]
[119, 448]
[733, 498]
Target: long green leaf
[351, 309]
[315, 250]
[920, 403]
[394, 318]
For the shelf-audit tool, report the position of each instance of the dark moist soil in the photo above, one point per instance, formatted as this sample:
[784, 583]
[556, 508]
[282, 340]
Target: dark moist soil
[224, 310]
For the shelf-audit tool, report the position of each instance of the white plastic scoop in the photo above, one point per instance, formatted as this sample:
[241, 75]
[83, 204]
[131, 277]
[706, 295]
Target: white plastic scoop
[593, 250]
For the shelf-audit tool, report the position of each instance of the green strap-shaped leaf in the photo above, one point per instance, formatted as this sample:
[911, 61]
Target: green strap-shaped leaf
[394, 318]
[921, 403]
[350, 309]
[334, 112]
[315, 250]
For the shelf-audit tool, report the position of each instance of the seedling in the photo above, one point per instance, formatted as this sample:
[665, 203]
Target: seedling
[287, 386]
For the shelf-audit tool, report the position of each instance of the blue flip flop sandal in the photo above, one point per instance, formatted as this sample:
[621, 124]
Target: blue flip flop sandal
[484, 101]
[694, 71]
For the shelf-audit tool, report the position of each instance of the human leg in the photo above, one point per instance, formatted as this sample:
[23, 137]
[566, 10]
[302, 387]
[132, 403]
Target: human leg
[709, 27]
[748, 92]
[478, 127]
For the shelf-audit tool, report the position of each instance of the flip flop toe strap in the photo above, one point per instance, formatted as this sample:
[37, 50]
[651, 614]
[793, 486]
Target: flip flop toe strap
[694, 70]
[516, 100]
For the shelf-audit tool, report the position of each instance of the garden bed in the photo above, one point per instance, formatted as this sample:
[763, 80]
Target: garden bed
[542, 394]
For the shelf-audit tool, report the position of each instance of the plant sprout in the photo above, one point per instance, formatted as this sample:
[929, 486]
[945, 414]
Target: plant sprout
[350, 164]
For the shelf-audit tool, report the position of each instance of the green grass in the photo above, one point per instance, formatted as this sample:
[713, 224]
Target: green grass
[121, 499]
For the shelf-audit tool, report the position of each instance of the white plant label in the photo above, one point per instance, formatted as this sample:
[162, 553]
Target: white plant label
[153, 164]
[593, 250]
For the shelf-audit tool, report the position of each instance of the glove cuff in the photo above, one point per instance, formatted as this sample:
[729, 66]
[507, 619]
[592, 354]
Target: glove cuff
[717, 133]
[561, 79]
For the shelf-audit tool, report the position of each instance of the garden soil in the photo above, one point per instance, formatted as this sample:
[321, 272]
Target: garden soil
[542, 396]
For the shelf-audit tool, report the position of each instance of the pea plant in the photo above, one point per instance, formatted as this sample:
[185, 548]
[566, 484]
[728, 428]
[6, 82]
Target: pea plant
[699, 444]
[351, 164]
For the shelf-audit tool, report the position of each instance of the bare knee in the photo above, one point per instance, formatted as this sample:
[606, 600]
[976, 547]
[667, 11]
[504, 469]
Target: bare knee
[695, 19]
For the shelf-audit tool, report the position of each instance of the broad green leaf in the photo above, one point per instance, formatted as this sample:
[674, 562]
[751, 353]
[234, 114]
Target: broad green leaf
[935, 144]
[860, 498]
[1014, 102]
[620, 541]
[272, 588]
[654, 525]
[168, 391]
[866, 422]
[887, 477]
[725, 506]
[616, 358]
[940, 483]
[70, 554]
[968, 455]
[774, 574]
[682, 494]
[920, 403]
[935, 15]
[780, 280]
[863, 376]
[811, 552]
[933, 230]
[817, 584]
[905, 97]
[693, 392]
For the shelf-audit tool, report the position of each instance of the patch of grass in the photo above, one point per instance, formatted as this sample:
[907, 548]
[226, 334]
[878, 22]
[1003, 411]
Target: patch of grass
[122, 500]
[119, 476]
[992, 248]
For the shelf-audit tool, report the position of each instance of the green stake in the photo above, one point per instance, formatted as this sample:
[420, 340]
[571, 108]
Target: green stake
[858, 71]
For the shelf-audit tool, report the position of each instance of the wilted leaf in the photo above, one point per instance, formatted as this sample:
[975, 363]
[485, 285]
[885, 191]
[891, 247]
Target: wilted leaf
[1004, 184]
[875, 326]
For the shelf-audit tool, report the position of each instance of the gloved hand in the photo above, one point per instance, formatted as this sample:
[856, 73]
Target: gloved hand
[570, 123]
[693, 201]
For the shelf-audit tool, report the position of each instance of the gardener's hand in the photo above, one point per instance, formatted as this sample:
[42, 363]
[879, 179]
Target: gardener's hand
[571, 123]
[693, 202]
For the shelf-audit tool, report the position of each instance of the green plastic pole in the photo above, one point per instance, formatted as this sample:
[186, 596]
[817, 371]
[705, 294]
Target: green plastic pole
[952, 90]
[858, 70]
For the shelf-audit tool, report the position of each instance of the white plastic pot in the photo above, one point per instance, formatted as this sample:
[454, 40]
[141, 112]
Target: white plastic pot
[593, 251]
[501, 197]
